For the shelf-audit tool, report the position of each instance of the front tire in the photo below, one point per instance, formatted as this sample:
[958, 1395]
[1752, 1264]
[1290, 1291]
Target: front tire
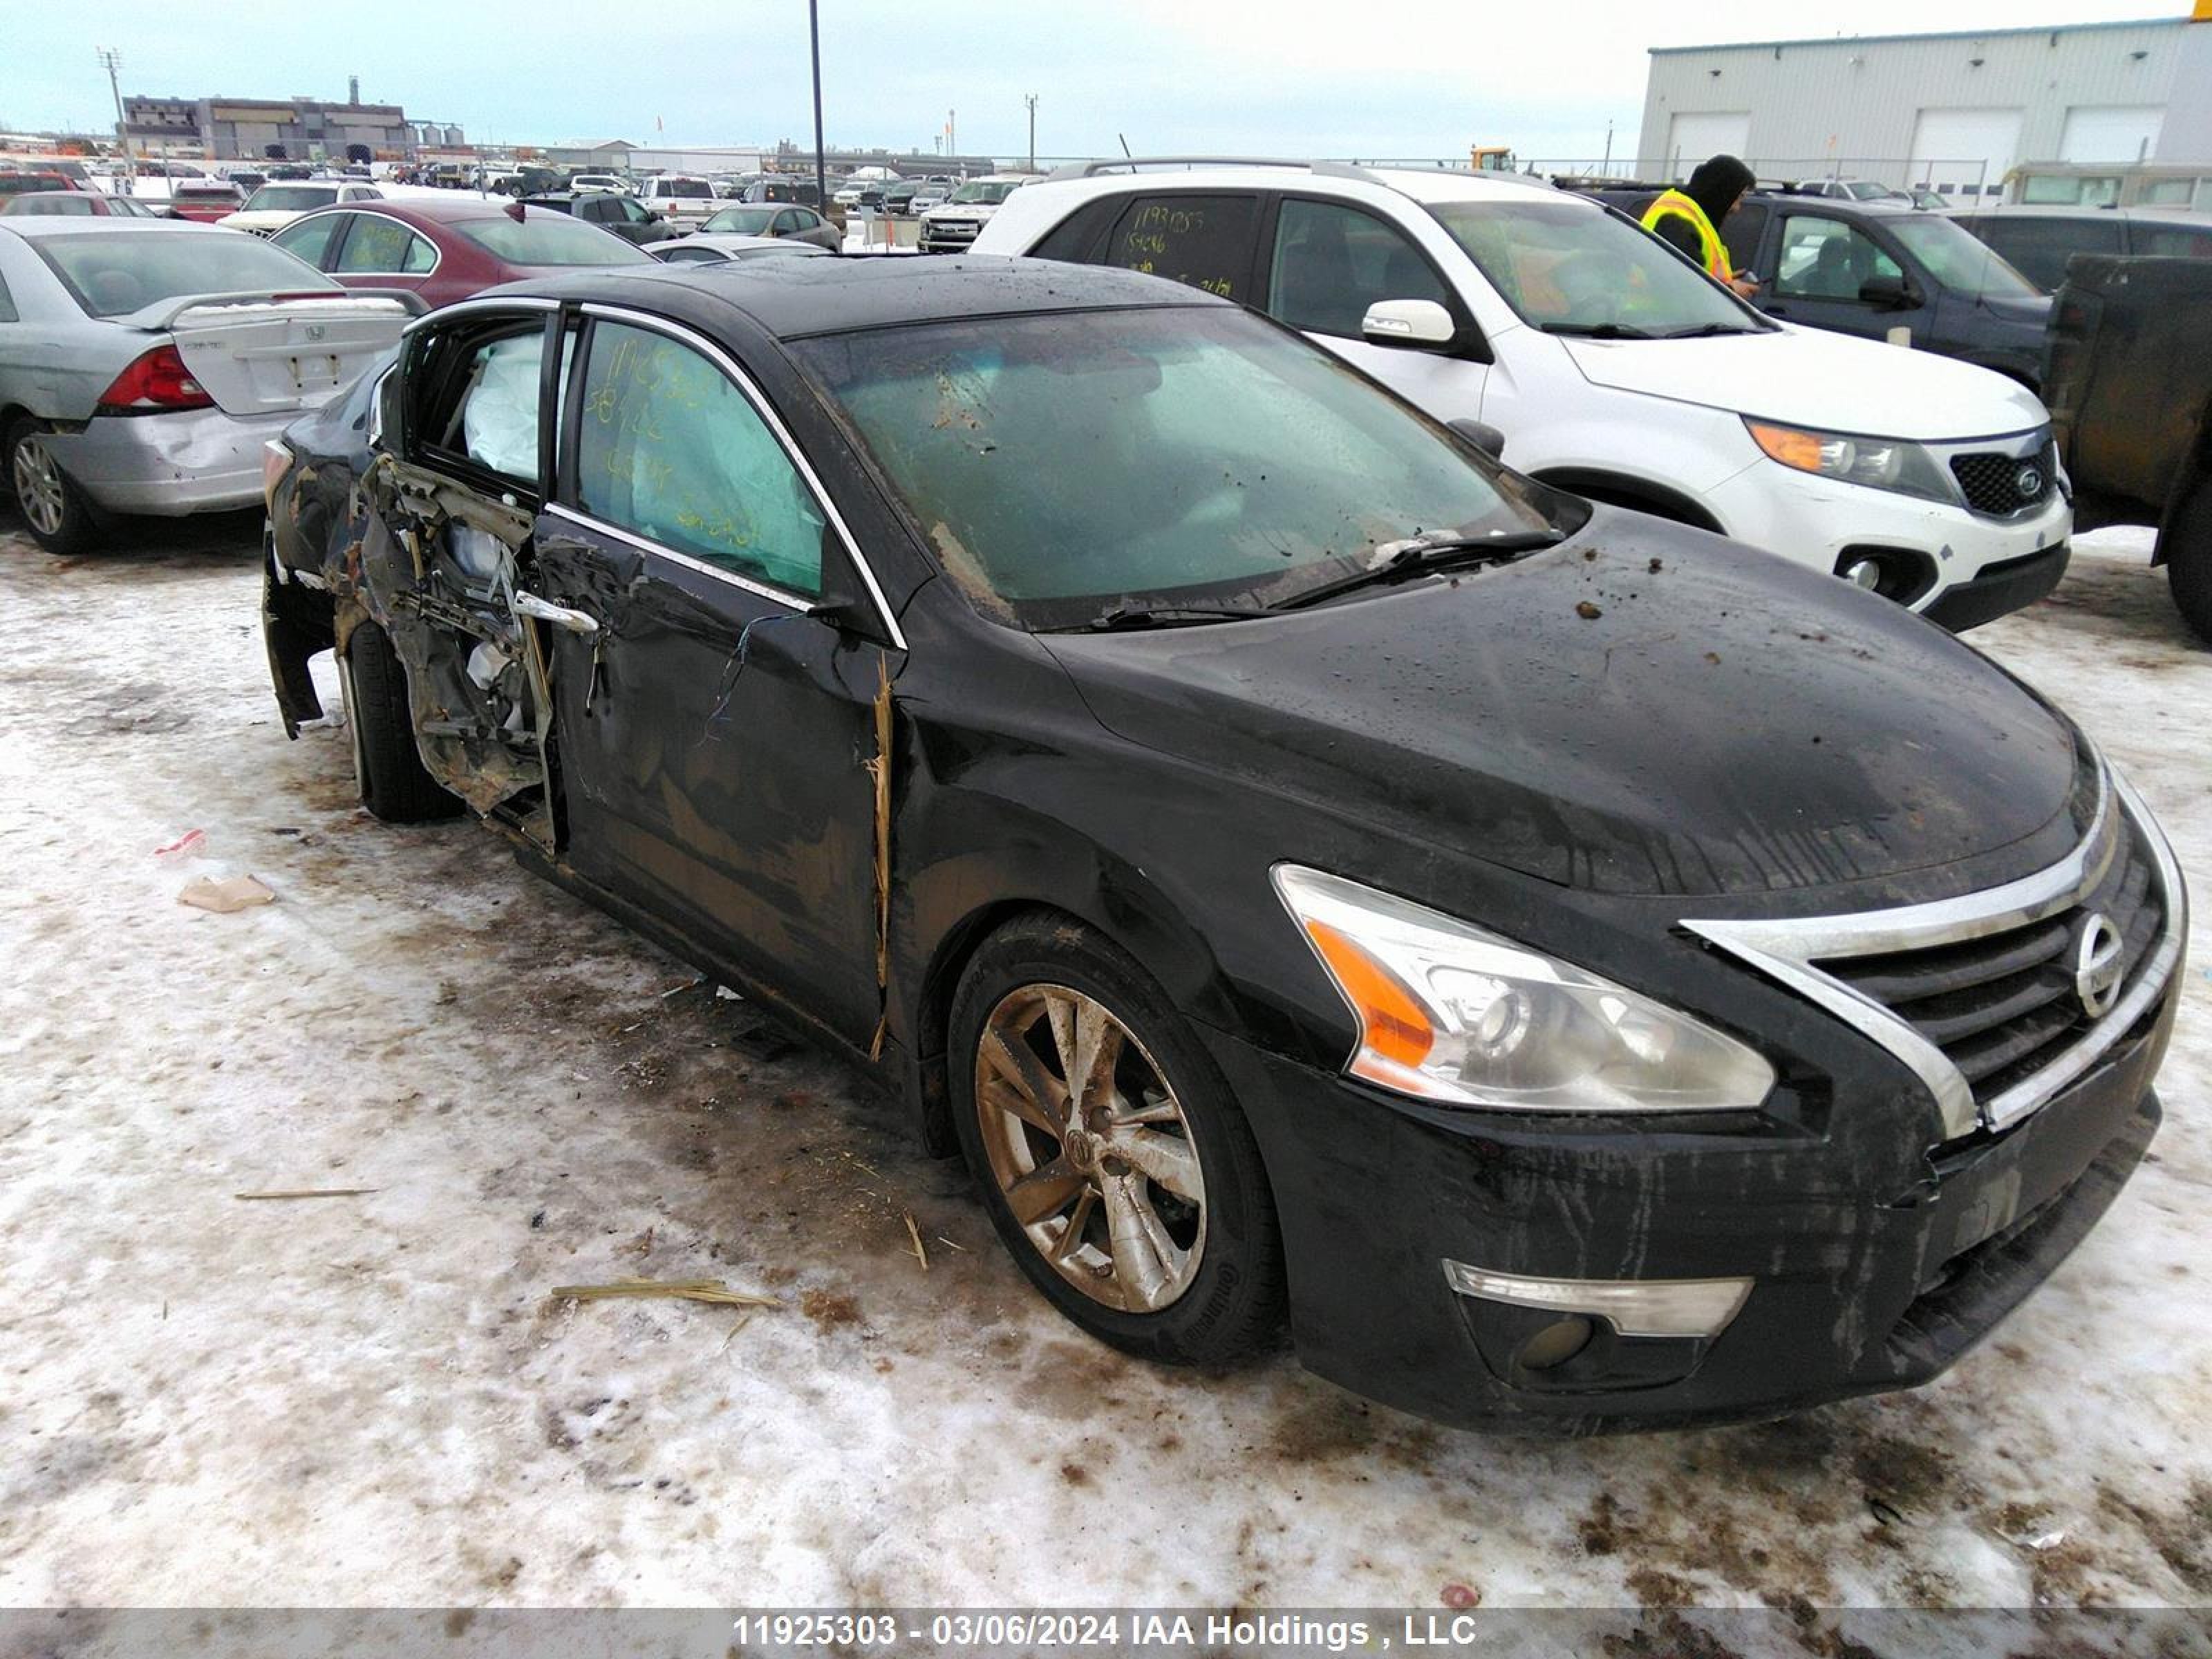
[2187, 546]
[1116, 1166]
[55, 509]
[387, 766]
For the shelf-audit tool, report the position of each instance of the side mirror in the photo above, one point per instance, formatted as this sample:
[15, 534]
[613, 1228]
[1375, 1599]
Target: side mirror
[1415, 323]
[1483, 435]
[1886, 294]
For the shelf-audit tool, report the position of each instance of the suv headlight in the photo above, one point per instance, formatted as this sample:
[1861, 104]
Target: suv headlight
[1894, 464]
[1452, 1013]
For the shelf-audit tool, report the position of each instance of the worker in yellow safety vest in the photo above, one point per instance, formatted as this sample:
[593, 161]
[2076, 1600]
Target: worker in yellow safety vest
[1690, 218]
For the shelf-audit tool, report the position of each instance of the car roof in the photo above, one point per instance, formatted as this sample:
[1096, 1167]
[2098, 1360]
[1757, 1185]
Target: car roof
[424, 209]
[793, 298]
[1422, 185]
[2077, 210]
[39, 227]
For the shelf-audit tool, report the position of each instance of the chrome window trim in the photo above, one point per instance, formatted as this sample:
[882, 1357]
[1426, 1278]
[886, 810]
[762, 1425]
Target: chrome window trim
[730, 366]
[645, 545]
[445, 314]
[1786, 949]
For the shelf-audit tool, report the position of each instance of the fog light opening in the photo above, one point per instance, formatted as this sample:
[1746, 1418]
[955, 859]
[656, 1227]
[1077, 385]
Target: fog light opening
[1556, 1344]
[1865, 573]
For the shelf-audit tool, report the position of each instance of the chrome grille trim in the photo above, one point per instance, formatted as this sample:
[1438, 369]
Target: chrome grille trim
[1788, 951]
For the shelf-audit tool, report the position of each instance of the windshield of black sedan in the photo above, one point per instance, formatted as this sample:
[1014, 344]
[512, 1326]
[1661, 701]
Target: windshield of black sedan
[1569, 267]
[1064, 464]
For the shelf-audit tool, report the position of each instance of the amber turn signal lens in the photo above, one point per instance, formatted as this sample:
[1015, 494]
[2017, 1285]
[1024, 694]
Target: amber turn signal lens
[1392, 1024]
[1792, 448]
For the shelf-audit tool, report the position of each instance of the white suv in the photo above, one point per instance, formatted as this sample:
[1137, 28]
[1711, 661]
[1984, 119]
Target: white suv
[683, 199]
[1614, 368]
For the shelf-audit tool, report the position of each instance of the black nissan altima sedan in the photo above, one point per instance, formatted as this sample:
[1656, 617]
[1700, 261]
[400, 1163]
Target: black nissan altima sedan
[1576, 971]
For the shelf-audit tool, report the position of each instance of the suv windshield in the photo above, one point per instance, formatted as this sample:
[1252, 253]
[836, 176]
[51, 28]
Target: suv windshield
[1960, 260]
[1067, 464]
[543, 239]
[121, 270]
[290, 198]
[984, 190]
[1570, 268]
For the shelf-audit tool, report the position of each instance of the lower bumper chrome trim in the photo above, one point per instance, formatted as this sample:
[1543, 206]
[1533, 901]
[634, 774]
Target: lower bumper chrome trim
[1634, 1307]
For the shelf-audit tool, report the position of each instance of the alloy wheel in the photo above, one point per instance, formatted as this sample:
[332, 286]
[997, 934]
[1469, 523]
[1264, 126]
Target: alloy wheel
[1090, 1148]
[39, 489]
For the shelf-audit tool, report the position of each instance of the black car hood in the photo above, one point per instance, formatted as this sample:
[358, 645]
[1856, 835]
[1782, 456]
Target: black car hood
[1645, 709]
[2030, 311]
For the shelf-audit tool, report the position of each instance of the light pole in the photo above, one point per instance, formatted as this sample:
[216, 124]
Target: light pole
[821, 165]
[1031, 99]
[112, 60]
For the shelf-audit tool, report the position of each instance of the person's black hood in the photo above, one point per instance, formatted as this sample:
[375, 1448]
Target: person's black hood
[1645, 709]
[1716, 184]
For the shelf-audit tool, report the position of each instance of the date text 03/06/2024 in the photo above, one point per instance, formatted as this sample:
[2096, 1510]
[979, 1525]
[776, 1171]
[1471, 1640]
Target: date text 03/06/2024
[1118, 1632]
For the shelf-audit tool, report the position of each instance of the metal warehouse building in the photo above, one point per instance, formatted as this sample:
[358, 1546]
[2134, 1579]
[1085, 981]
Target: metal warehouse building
[1956, 109]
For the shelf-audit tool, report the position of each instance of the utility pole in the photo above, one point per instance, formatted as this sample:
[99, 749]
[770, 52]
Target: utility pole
[821, 163]
[952, 133]
[1031, 99]
[112, 60]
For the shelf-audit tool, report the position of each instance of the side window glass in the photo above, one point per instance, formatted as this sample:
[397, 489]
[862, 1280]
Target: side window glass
[2181, 242]
[630, 210]
[376, 244]
[1203, 240]
[311, 239]
[1332, 262]
[786, 222]
[7, 304]
[421, 257]
[1824, 258]
[669, 448]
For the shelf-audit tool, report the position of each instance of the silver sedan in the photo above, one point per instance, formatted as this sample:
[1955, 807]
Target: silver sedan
[716, 247]
[144, 364]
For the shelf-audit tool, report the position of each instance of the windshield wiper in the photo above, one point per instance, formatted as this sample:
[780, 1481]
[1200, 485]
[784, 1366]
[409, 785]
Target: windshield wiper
[1161, 616]
[1600, 330]
[1395, 561]
[1708, 331]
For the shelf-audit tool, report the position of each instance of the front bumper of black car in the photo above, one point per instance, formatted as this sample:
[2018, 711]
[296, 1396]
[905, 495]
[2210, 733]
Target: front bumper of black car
[1480, 1282]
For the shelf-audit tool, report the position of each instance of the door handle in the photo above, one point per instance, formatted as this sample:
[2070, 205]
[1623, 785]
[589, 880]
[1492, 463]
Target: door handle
[576, 621]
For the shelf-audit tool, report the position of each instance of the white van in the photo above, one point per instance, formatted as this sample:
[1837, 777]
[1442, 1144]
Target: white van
[1614, 367]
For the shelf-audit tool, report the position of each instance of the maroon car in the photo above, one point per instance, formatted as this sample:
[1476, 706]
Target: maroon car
[60, 203]
[447, 250]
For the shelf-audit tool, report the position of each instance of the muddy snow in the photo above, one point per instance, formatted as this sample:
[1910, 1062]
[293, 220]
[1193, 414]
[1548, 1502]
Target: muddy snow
[372, 1398]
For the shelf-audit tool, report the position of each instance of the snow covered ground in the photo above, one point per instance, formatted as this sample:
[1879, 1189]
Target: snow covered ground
[373, 1401]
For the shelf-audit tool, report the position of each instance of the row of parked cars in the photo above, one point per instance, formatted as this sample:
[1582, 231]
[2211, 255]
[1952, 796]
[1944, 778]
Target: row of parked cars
[1295, 857]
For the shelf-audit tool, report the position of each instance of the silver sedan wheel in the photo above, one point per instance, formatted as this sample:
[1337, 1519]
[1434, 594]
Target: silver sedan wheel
[1091, 1148]
[39, 488]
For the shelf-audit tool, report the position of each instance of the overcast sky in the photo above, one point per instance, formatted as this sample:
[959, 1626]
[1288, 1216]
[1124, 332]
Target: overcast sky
[1358, 77]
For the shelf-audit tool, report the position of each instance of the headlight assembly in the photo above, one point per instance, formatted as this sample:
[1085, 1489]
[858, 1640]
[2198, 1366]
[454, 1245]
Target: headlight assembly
[1451, 1013]
[1894, 464]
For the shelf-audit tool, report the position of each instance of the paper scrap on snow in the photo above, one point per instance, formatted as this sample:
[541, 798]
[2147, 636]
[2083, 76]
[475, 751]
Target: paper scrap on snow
[225, 893]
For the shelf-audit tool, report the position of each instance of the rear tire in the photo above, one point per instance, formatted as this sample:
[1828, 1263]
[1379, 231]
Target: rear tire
[1112, 1237]
[2186, 546]
[59, 517]
[395, 786]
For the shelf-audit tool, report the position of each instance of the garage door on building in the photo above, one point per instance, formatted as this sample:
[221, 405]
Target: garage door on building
[1691, 138]
[2111, 132]
[1961, 151]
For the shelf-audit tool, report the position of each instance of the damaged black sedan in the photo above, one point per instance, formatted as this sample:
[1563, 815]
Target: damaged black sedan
[1580, 972]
